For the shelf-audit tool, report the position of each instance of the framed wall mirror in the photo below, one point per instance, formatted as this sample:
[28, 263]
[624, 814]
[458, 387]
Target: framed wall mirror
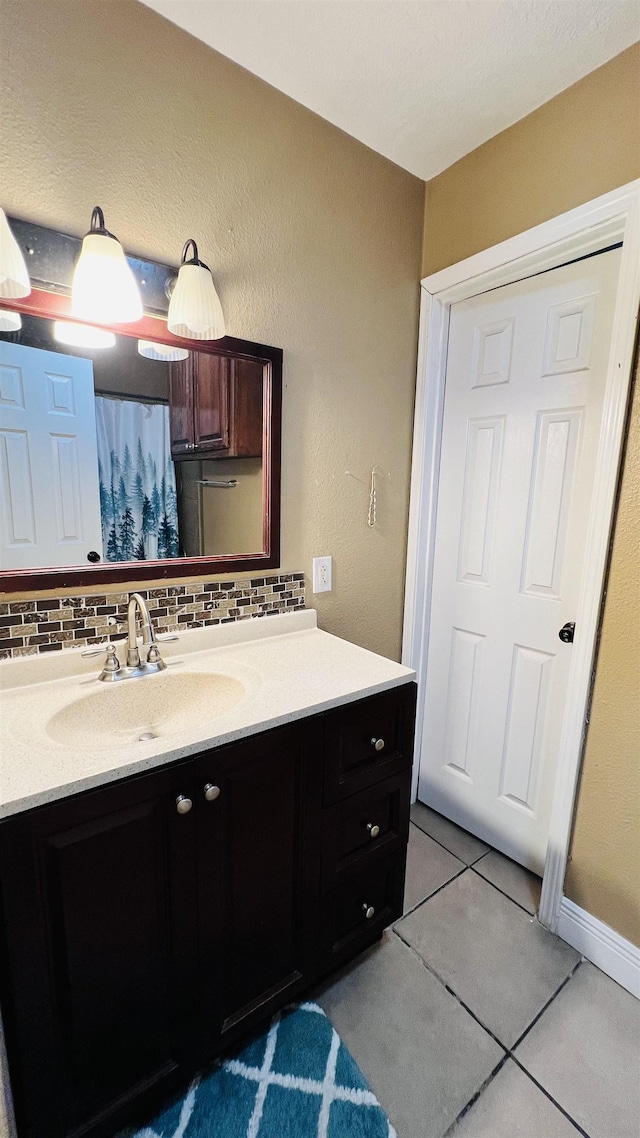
[127, 453]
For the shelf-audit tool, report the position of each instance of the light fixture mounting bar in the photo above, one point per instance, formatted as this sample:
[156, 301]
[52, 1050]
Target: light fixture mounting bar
[51, 258]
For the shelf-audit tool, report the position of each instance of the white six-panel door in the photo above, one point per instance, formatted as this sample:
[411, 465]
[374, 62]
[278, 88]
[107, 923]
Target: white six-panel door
[525, 380]
[49, 493]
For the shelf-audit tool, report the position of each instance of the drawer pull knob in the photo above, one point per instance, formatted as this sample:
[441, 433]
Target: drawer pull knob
[368, 911]
[377, 744]
[373, 829]
[211, 792]
[183, 804]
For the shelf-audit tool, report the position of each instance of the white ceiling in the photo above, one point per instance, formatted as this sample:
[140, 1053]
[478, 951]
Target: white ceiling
[420, 81]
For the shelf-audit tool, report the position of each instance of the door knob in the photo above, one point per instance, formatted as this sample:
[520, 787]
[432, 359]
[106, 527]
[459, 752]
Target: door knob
[373, 829]
[211, 792]
[183, 804]
[377, 744]
[567, 631]
[368, 911]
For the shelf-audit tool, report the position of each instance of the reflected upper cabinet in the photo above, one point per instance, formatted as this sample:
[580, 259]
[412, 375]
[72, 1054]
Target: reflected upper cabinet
[95, 431]
[216, 407]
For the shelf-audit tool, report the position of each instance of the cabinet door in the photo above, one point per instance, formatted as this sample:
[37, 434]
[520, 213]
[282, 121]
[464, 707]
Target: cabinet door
[247, 395]
[258, 875]
[211, 403]
[181, 410]
[99, 993]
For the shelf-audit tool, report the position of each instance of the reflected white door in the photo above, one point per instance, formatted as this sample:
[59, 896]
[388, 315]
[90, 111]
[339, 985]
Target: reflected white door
[49, 492]
[525, 380]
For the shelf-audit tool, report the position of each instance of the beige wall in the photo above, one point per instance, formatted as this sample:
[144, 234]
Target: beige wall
[604, 871]
[313, 238]
[582, 143]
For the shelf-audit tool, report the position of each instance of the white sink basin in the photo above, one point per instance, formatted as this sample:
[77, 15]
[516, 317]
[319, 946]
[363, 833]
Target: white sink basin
[149, 707]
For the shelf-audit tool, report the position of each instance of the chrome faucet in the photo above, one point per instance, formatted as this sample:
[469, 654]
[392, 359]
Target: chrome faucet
[113, 669]
[136, 601]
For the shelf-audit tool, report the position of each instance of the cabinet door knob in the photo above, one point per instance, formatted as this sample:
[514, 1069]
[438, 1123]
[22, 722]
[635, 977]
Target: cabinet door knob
[373, 829]
[183, 804]
[377, 744]
[211, 792]
[368, 911]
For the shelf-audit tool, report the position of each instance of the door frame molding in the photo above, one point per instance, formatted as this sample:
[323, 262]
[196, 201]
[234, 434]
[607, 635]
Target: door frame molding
[589, 228]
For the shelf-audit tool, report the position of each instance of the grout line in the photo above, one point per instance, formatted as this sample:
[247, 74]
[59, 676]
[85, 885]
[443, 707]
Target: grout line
[477, 1019]
[474, 1098]
[499, 890]
[508, 1051]
[467, 864]
[430, 895]
[547, 1095]
[451, 992]
[548, 1004]
[472, 865]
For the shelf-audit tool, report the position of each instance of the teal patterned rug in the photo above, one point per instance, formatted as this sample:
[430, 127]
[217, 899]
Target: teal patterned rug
[296, 1081]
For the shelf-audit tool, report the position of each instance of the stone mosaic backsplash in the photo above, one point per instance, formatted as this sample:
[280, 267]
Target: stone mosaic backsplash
[52, 623]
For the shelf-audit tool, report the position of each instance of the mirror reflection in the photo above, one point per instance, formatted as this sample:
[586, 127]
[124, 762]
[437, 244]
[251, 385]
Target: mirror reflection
[116, 449]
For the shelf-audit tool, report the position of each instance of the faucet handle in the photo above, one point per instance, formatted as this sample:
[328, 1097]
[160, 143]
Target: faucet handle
[154, 657]
[108, 647]
[163, 637]
[112, 663]
[111, 669]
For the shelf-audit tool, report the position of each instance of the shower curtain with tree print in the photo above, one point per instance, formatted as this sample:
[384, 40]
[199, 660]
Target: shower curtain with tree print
[138, 501]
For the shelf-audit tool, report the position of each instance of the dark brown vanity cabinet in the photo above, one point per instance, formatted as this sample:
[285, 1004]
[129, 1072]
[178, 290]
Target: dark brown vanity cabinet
[215, 407]
[100, 982]
[148, 924]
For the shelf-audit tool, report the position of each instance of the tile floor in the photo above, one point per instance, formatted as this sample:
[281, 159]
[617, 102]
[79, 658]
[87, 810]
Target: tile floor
[472, 1021]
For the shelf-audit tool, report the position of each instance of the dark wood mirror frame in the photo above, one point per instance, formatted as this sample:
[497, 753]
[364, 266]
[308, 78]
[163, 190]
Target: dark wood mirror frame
[50, 257]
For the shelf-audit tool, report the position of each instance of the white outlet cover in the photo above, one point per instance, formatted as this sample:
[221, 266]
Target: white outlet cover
[322, 574]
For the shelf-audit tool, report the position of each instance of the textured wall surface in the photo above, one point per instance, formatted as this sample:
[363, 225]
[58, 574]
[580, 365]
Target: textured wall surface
[604, 872]
[583, 143]
[314, 241]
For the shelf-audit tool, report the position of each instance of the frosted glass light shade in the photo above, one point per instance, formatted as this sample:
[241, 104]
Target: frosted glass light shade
[104, 289]
[14, 275]
[166, 353]
[195, 311]
[82, 335]
[9, 321]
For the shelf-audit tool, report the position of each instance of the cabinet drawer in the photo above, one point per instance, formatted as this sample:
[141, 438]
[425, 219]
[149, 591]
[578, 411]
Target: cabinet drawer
[363, 828]
[348, 923]
[369, 741]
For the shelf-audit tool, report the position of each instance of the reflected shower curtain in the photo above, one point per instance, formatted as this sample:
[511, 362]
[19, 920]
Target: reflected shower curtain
[138, 502]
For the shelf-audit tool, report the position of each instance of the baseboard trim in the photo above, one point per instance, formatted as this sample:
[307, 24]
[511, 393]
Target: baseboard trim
[602, 945]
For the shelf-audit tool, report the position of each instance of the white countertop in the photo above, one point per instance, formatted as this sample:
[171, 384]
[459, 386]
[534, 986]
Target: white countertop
[289, 669]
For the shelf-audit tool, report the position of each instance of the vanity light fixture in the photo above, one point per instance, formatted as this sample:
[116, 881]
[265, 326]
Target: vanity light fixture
[9, 321]
[82, 335]
[166, 353]
[14, 275]
[104, 289]
[195, 311]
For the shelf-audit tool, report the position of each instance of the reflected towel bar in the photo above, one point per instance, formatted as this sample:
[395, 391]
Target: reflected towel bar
[223, 485]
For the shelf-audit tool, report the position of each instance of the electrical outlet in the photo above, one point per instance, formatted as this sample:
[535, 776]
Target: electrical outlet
[322, 574]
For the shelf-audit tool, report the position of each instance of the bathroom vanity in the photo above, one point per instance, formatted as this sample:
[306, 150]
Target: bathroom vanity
[161, 897]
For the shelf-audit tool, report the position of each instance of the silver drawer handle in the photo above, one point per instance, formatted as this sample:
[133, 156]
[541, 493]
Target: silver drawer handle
[377, 744]
[373, 829]
[368, 911]
[183, 804]
[211, 792]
